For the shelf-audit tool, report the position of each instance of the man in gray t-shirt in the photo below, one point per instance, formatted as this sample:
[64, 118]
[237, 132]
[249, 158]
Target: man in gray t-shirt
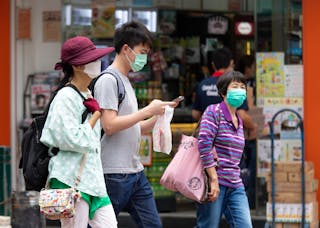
[127, 185]
[120, 149]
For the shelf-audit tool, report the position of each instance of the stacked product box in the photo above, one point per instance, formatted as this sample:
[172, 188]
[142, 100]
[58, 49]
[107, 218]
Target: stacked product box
[288, 195]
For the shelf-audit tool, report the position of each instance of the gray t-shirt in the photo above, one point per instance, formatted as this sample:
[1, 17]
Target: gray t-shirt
[120, 151]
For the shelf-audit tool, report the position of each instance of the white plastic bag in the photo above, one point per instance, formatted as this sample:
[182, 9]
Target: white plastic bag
[161, 133]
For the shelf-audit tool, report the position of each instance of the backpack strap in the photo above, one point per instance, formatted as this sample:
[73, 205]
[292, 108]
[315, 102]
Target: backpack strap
[86, 111]
[196, 131]
[84, 114]
[120, 85]
[76, 89]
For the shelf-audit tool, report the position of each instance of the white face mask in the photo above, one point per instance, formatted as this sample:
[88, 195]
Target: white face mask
[93, 69]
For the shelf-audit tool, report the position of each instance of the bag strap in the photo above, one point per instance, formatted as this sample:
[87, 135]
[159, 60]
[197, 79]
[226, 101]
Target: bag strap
[214, 151]
[86, 111]
[198, 124]
[120, 85]
[84, 114]
[78, 177]
[217, 108]
[84, 157]
[76, 89]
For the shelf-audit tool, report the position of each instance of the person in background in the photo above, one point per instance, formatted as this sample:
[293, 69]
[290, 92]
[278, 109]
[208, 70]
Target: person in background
[220, 61]
[246, 65]
[64, 129]
[123, 125]
[221, 125]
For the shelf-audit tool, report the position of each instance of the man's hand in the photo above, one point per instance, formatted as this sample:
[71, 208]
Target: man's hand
[157, 107]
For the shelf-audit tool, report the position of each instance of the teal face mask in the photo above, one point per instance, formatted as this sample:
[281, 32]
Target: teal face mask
[236, 97]
[139, 62]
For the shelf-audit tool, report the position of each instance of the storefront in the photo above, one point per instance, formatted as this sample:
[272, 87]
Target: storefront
[186, 27]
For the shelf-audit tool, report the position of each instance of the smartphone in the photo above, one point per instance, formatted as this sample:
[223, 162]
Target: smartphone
[178, 99]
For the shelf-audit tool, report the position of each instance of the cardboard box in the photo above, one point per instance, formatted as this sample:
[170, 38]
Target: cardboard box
[294, 166]
[278, 177]
[291, 213]
[293, 197]
[293, 225]
[314, 224]
[291, 176]
[296, 176]
[310, 186]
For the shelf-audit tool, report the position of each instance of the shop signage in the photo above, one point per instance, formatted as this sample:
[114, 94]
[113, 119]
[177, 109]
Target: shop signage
[217, 25]
[244, 28]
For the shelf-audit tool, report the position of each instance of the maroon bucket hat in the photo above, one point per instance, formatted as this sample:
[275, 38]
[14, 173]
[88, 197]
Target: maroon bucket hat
[80, 50]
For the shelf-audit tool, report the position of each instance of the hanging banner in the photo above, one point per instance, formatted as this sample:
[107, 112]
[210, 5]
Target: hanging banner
[270, 74]
[293, 80]
[103, 19]
[51, 26]
[24, 24]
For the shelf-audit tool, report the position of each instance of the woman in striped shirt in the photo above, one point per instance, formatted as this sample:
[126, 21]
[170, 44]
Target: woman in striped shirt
[221, 126]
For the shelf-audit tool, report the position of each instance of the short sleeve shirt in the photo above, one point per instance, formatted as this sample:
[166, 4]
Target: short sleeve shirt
[120, 151]
[206, 94]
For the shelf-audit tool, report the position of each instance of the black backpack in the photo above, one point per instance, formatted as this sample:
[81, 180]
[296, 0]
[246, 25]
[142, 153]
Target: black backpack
[35, 155]
[120, 85]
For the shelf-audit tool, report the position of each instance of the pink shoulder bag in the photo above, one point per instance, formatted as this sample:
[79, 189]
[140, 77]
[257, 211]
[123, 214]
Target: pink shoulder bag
[185, 173]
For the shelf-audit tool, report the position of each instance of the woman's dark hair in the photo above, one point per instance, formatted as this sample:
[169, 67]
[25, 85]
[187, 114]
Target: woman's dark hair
[244, 61]
[225, 80]
[68, 73]
[132, 33]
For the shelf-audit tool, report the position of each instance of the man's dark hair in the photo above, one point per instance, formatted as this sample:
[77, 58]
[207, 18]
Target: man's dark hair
[220, 58]
[244, 61]
[132, 33]
[225, 80]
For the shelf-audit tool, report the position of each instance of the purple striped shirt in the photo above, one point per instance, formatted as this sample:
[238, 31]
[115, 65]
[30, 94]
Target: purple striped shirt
[229, 144]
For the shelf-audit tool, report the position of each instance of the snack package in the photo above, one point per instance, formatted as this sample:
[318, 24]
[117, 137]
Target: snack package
[161, 133]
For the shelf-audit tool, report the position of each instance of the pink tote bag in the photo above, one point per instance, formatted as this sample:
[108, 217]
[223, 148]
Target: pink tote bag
[185, 173]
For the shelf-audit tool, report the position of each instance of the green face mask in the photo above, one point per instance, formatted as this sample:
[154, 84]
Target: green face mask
[236, 97]
[139, 62]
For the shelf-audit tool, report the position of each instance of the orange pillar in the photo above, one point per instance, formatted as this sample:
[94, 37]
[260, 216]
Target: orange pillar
[311, 56]
[5, 73]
